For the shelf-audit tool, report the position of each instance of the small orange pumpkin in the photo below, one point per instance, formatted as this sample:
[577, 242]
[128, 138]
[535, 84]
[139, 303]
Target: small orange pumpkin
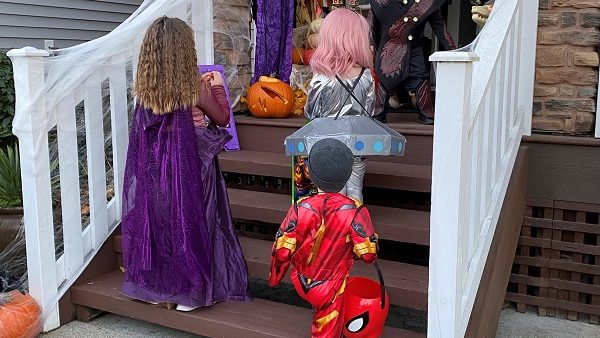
[20, 316]
[308, 55]
[297, 56]
[270, 98]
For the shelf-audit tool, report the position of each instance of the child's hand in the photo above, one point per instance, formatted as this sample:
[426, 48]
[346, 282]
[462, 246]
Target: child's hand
[214, 78]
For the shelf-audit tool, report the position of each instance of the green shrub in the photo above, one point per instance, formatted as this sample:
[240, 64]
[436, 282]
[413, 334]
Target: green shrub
[7, 100]
[10, 178]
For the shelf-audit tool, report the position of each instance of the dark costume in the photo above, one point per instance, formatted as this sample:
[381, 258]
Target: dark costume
[320, 236]
[274, 25]
[397, 31]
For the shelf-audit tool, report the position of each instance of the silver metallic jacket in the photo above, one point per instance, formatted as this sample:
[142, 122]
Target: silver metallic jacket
[326, 96]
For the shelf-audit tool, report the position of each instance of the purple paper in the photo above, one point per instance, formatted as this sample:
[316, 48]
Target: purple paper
[234, 144]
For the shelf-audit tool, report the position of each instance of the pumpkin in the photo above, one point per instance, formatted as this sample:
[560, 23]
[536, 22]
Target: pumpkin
[270, 98]
[312, 41]
[308, 55]
[297, 56]
[20, 316]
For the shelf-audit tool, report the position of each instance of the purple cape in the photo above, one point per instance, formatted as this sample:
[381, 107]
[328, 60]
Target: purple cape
[165, 237]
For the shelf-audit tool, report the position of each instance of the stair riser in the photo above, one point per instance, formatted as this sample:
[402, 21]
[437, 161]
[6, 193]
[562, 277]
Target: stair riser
[392, 232]
[419, 148]
[370, 180]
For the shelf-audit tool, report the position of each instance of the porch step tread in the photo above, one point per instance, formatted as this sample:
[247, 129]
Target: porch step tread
[256, 319]
[404, 123]
[406, 284]
[402, 225]
[389, 175]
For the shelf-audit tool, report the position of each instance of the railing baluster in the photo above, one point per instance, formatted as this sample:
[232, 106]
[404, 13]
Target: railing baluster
[94, 122]
[69, 185]
[488, 145]
[120, 125]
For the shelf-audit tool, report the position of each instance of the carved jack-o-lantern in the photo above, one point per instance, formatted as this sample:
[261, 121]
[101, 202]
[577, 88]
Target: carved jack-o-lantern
[270, 98]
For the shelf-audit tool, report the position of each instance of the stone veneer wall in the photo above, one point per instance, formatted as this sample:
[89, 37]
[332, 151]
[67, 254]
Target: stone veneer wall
[232, 42]
[567, 66]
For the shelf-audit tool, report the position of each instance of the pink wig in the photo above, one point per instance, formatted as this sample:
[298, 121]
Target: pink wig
[343, 44]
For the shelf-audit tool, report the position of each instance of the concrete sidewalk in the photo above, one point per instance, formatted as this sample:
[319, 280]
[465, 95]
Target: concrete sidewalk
[512, 325]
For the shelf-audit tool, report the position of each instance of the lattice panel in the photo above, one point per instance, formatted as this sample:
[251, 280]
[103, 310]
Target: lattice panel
[557, 264]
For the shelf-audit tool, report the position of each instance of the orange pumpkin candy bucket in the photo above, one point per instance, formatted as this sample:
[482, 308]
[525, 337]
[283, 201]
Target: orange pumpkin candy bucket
[20, 316]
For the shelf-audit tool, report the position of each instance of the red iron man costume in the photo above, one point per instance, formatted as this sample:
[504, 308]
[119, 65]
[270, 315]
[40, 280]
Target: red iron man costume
[320, 237]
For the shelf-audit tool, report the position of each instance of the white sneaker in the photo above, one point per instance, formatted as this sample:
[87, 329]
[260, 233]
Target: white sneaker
[184, 308]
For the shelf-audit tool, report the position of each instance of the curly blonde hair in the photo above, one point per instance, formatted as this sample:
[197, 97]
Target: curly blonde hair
[167, 75]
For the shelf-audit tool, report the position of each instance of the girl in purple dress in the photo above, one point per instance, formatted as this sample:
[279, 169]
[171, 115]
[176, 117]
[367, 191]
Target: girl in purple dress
[179, 244]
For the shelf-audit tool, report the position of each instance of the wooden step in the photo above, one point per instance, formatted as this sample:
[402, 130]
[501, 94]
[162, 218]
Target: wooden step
[256, 319]
[402, 225]
[399, 176]
[268, 135]
[406, 284]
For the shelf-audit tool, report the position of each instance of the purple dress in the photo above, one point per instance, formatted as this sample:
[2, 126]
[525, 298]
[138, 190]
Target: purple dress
[179, 244]
[229, 271]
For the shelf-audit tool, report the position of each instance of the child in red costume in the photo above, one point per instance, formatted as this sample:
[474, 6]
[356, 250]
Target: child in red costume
[321, 236]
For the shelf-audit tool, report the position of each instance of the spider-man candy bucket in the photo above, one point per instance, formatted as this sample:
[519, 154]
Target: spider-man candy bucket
[366, 308]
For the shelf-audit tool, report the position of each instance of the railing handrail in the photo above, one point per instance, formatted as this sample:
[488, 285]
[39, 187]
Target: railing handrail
[489, 43]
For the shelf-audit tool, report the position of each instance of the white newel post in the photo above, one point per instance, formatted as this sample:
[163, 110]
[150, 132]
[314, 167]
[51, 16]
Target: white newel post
[28, 65]
[202, 22]
[449, 194]
[527, 51]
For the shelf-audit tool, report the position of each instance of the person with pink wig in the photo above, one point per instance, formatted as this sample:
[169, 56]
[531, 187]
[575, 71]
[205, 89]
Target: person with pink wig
[342, 83]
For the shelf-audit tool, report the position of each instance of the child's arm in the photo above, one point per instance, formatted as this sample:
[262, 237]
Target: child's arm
[312, 107]
[370, 101]
[213, 101]
[288, 239]
[363, 236]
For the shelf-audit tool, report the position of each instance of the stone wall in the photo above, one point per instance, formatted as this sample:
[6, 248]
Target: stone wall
[232, 42]
[567, 66]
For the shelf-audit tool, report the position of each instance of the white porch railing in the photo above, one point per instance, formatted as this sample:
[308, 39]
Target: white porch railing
[483, 108]
[49, 275]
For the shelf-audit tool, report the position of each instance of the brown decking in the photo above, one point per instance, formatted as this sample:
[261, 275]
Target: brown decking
[256, 319]
[401, 225]
[398, 176]
[405, 283]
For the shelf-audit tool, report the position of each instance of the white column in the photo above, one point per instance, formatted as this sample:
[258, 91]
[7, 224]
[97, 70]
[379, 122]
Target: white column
[598, 115]
[28, 65]
[527, 50]
[449, 194]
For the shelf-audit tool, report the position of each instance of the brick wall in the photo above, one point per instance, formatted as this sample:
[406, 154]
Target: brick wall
[567, 66]
[232, 42]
